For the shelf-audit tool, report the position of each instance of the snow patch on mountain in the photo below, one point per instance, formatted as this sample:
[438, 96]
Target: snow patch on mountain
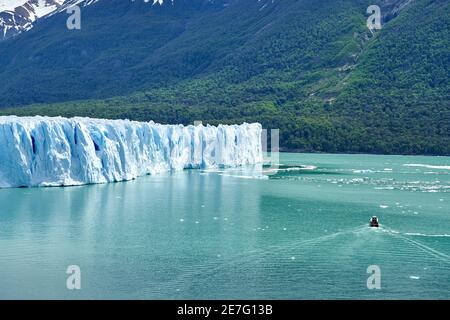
[11, 4]
[17, 16]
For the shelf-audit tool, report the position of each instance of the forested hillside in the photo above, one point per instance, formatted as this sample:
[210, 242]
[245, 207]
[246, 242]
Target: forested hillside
[310, 68]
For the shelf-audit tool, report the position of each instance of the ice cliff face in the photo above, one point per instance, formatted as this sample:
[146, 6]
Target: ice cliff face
[41, 151]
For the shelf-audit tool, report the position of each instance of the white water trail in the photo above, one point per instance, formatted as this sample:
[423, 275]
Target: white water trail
[205, 270]
[433, 252]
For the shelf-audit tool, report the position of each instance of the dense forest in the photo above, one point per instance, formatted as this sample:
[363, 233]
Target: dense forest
[310, 68]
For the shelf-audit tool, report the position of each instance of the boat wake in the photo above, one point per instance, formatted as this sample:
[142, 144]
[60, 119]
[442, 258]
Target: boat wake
[433, 252]
[210, 269]
[428, 235]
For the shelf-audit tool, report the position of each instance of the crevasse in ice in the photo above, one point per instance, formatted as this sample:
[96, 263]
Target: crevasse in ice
[43, 151]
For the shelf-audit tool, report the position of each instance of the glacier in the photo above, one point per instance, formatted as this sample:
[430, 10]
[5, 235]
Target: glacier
[47, 151]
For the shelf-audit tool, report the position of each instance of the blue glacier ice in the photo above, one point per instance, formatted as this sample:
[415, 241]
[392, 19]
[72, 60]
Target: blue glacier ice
[43, 151]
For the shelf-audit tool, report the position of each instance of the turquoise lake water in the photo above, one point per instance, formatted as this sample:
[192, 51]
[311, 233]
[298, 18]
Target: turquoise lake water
[299, 233]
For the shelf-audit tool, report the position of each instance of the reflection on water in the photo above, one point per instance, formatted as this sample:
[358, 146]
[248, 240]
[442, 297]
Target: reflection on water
[296, 231]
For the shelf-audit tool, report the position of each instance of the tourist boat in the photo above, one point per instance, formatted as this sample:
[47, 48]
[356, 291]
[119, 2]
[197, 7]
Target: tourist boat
[374, 222]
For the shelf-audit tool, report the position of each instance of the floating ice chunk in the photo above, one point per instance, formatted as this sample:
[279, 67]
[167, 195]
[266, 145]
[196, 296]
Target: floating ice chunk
[43, 151]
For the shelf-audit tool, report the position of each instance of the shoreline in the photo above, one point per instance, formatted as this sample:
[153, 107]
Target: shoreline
[298, 151]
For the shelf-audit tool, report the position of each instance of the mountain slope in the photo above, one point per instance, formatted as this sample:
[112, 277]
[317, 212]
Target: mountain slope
[125, 45]
[400, 89]
[311, 68]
